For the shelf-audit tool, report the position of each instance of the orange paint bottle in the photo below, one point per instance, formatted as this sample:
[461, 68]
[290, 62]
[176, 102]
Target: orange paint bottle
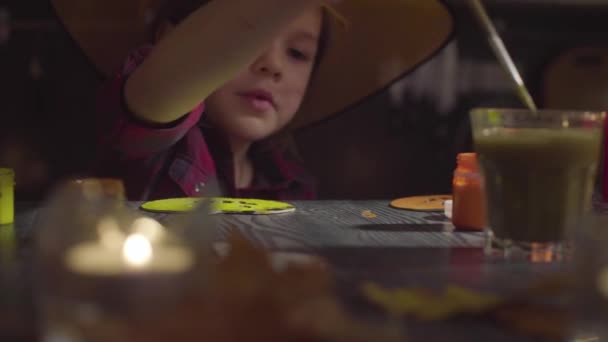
[469, 208]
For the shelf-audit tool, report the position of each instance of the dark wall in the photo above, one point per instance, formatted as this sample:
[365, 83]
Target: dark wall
[47, 90]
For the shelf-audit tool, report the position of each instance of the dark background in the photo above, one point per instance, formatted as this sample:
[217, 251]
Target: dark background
[402, 142]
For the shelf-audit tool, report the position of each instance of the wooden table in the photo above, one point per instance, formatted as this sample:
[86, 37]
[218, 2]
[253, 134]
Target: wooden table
[395, 248]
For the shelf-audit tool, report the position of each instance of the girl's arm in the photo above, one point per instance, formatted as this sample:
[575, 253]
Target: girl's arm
[204, 51]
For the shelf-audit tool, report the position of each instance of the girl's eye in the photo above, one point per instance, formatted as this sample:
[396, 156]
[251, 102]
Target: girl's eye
[298, 55]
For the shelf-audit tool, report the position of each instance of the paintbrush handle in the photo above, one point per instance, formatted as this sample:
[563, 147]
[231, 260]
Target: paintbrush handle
[502, 54]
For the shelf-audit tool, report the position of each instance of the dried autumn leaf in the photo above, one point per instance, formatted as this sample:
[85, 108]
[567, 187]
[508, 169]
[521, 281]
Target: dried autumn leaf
[326, 318]
[550, 323]
[525, 312]
[427, 305]
[245, 299]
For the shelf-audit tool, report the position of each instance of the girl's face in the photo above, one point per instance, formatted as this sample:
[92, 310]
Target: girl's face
[265, 96]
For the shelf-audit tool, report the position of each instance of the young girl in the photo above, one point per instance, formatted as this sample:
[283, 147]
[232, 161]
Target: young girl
[209, 94]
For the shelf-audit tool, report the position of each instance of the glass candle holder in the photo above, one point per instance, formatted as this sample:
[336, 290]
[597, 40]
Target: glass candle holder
[106, 269]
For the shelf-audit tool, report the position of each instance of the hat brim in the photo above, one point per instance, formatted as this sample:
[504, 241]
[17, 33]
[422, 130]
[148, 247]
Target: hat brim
[105, 30]
[384, 40]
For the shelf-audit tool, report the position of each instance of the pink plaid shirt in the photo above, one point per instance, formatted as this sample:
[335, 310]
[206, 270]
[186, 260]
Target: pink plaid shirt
[180, 159]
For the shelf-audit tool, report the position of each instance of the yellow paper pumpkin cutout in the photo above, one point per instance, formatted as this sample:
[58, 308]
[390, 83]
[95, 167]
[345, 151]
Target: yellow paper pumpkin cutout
[224, 205]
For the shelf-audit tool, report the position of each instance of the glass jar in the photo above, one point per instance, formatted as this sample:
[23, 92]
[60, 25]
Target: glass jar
[469, 200]
[109, 272]
[7, 196]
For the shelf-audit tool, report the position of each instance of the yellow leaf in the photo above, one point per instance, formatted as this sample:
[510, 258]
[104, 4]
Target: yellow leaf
[427, 305]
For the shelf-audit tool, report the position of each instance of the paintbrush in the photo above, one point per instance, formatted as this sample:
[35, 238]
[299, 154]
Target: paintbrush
[502, 54]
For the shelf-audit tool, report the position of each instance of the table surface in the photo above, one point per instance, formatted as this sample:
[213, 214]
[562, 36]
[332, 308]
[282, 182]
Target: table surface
[394, 248]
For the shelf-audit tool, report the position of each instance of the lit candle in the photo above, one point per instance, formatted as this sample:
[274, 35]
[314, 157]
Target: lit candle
[143, 251]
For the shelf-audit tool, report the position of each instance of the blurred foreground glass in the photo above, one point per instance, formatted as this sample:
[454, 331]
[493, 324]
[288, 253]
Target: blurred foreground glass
[539, 170]
[590, 277]
[107, 272]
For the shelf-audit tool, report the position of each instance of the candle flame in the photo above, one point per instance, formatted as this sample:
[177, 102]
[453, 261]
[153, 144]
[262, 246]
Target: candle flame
[137, 250]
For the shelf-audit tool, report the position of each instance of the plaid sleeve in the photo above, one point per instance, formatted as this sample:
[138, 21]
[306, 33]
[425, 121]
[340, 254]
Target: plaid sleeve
[122, 132]
[302, 185]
